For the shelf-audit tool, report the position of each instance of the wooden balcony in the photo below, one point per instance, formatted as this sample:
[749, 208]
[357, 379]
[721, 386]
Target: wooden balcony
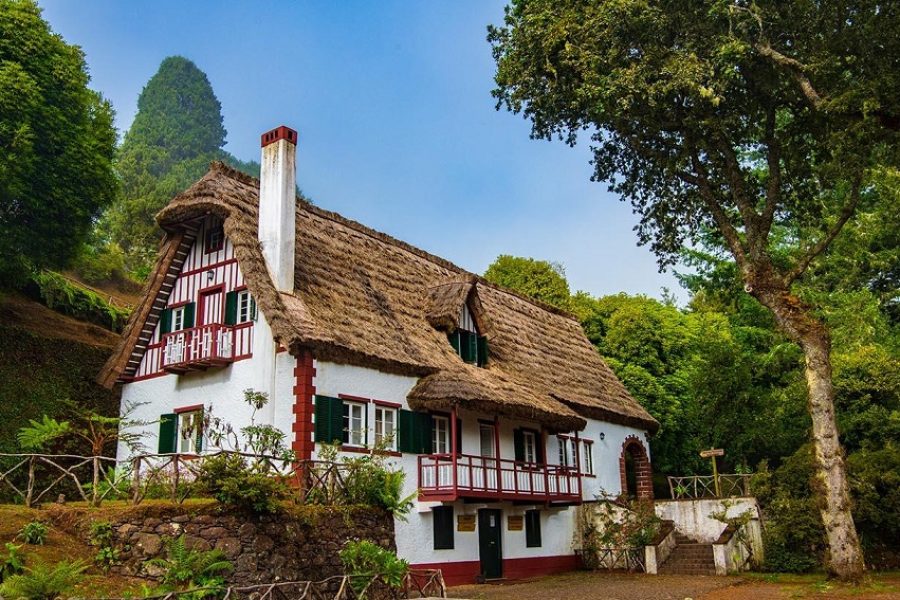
[197, 348]
[445, 478]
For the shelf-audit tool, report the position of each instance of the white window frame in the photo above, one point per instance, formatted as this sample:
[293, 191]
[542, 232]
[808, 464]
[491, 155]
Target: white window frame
[355, 437]
[382, 423]
[587, 457]
[567, 452]
[529, 446]
[178, 318]
[243, 307]
[492, 451]
[188, 445]
[440, 435]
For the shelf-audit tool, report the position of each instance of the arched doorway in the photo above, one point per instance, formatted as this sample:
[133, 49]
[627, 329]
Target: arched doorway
[634, 470]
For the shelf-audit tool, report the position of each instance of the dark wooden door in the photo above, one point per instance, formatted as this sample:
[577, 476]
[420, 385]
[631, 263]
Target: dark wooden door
[489, 543]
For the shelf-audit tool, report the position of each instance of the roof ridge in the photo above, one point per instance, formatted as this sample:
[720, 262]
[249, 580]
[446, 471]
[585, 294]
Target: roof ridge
[389, 239]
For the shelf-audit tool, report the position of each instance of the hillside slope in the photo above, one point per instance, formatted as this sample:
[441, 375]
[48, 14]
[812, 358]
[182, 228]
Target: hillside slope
[45, 358]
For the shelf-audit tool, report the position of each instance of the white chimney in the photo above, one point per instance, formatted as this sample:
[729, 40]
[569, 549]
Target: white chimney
[277, 204]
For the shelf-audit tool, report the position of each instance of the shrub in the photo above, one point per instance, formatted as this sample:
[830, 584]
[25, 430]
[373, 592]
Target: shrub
[63, 296]
[186, 568]
[12, 563]
[102, 537]
[43, 581]
[362, 557]
[34, 533]
[232, 481]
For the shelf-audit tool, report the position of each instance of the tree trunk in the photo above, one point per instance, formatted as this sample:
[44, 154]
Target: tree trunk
[845, 558]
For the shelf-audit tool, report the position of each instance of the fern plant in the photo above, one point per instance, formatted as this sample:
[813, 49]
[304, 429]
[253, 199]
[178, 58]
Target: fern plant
[12, 563]
[40, 433]
[185, 567]
[43, 581]
[34, 533]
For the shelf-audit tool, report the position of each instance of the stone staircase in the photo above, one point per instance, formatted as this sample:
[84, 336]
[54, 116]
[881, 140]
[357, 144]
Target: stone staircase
[689, 557]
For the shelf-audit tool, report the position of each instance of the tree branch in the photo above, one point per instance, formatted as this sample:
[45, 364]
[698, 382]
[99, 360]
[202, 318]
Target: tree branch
[701, 181]
[773, 161]
[796, 68]
[816, 249]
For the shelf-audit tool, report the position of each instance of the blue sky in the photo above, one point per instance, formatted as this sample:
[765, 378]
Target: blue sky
[397, 125]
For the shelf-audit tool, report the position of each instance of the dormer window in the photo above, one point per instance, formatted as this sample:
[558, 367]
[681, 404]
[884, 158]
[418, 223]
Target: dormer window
[471, 347]
[215, 238]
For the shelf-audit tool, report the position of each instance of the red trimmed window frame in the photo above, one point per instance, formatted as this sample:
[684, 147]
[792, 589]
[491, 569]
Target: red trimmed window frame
[208, 248]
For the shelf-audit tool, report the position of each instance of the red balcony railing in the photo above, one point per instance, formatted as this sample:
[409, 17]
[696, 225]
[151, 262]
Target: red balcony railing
[445, 478]
[198, 348]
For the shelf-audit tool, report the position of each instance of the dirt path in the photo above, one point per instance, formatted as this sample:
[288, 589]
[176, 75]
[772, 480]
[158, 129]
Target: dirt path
[615, 586]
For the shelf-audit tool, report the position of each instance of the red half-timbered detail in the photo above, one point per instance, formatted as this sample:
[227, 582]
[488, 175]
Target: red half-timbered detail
[304, 390]
[445, 478]
[203, 276]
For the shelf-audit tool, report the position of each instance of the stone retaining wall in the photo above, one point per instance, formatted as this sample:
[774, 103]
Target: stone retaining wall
[299, 544]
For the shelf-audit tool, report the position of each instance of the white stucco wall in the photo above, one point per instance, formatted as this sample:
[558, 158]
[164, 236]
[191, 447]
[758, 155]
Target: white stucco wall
[222, 388]
[415, 540]
[693, 517]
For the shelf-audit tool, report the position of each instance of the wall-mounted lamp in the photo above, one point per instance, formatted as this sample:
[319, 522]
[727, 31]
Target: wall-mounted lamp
[210, 276]
[602, 436]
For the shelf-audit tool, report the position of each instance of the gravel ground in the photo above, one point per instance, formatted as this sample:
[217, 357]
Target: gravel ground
[598, 586]
[619, 586]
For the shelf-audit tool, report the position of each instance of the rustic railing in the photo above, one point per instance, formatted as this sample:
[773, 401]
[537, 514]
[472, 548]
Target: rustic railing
[31, 477]
[705, 486]
[442, 475]
[416, 584]
[612, 559]
[203, 345]
[172, 476]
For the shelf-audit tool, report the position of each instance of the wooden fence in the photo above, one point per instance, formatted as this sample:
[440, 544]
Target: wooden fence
[416, 584]
[705, 486]
[32, 477]
[36, 478]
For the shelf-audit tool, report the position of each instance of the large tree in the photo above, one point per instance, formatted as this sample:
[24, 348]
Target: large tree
[761, 121]
[176, 133]
[56, 144]
[538, 279]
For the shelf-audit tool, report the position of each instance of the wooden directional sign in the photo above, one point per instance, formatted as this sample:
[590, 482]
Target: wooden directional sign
[712, 452]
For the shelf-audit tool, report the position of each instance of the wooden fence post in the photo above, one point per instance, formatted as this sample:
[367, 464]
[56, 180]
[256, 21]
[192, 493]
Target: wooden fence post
[29, 492]
[136, 480]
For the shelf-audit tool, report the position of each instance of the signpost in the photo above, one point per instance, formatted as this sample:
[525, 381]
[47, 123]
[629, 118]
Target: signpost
[711, 454]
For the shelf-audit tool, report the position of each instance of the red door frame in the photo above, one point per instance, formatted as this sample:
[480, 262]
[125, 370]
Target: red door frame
[201, 304]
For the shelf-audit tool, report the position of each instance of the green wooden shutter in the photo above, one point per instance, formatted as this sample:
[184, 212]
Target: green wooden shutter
[454, 340]
[189, 310]
[252, 308]
[231, 308]
[482, 350]
[165, 321]
[533, 528]
[519, 445]
[425, 426]
[329, 419]
[468, 346]
[406, 435]
[443, 527]
[168, 425]
[199, 442]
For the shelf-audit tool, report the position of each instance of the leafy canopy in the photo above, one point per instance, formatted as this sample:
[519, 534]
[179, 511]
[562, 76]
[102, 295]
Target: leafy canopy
[56, 145]
[538, 279]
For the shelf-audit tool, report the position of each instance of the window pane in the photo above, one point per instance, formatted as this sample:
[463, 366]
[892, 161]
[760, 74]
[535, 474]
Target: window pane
[530, 446]
[443, 527]
[487, 441]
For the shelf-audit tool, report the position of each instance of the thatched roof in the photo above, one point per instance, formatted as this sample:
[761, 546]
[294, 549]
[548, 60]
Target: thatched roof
[362, 297]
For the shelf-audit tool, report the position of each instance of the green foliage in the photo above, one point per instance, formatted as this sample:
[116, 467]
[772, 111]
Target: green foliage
[632, 525]
[370, 481]
[36, 372]
[38, 434]
[175, 134]
[56, 145]
[114, 485]
[34, 533]
[538, 279]
[11, 563]
[44, 581]
[77, 301]
[362, 557]
[238, 483]
[187, 568]
[103, 537]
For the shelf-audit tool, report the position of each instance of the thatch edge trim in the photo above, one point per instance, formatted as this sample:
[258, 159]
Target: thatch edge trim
[118, 360]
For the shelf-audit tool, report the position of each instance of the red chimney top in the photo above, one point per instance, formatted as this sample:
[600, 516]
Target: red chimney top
[279, 133]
